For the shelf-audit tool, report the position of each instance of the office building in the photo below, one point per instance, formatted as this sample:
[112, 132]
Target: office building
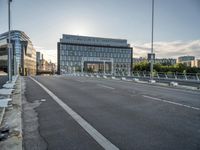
[94, 54]
[165, 61]
[39, 56]
[149, 57]
[23, 54]
[186, 60]
[138, 60]
[162, 61]
[195, 63]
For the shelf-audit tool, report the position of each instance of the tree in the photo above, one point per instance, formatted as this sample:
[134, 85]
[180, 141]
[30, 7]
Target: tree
[177, 68]
[142, 66]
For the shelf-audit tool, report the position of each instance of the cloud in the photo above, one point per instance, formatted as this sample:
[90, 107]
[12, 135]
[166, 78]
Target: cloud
[48, 54]
[172, 49]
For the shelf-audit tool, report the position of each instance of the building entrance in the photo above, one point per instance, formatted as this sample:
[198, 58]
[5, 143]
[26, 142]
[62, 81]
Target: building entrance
[98, 67]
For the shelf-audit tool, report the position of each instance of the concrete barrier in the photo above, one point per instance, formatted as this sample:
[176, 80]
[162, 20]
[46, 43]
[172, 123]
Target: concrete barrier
[9, 85]
[152, 81]
[4, 102]
[105, 77]
[6, 92]
[135, 79]
[173, 84]
[113, 77]
[97, 76]
[123, 78]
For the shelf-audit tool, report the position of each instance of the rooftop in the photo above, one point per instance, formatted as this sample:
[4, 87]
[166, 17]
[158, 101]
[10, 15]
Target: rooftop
[76, 39]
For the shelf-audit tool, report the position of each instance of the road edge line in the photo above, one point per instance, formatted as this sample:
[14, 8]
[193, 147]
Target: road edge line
[97, 136]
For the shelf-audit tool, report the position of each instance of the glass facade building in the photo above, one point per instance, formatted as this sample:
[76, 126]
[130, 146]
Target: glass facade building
[185, 59]
[94, 54]
[23, 54]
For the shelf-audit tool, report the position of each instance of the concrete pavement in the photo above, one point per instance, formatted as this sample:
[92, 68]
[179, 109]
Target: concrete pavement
[130, 115]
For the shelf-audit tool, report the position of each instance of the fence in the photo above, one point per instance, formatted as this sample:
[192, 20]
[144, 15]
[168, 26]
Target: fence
[171, 75]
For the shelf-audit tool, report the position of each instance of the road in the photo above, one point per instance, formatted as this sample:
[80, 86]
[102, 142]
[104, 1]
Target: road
[120, 114]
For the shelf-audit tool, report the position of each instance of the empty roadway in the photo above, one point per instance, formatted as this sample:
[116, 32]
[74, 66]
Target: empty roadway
[129, 115]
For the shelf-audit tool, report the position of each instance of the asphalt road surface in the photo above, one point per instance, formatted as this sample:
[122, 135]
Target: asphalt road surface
[120, 114]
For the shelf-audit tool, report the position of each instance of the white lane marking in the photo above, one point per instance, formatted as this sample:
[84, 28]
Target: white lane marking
[157, 86]
[170, 102]
[105, 86]
[79, 80]
[105, 143]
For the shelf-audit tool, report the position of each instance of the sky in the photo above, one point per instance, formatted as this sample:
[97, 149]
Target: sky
[176, 30]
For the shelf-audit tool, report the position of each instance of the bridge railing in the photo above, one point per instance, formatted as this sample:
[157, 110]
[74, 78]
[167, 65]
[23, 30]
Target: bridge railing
[145, 74]
[170, 75]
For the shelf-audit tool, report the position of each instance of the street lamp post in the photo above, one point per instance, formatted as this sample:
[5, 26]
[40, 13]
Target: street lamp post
[9, 46]
[151, 69]
[104, 67]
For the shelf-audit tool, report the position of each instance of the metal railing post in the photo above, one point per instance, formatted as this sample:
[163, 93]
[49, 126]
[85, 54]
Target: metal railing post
[175, 76]
[166, 76]
[197, 77]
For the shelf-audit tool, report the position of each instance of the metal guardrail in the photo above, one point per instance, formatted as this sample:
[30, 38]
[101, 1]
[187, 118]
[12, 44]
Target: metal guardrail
[183, 80]
[175, 76]
[158, 75]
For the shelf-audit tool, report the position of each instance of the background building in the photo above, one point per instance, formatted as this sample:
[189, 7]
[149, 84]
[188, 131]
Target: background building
[149, 57]
[165, 61]
[43, 66]
[162, 61]
[187, 60]
[94, 54]
[138, 60]
[39, 56]
[23, 53]
[195, 63]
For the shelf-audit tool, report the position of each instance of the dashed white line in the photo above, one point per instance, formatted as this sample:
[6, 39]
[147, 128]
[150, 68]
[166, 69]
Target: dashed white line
[170, 102]
[98, 137]
[79, 80]
[105, 86]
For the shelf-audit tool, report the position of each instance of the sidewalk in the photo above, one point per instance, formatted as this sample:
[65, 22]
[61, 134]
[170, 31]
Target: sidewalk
[12, 120]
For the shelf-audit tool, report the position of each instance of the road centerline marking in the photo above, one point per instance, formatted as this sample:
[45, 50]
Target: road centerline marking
[77, 80]
[97, 136]
[170, 102]
[105, 86]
